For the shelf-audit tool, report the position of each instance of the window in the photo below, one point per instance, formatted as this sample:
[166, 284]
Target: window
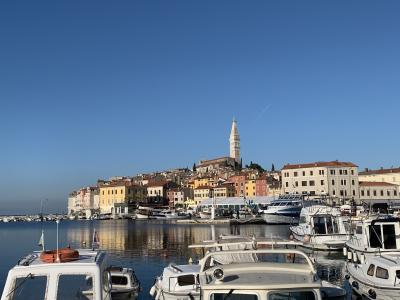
[352, 182]
[341, 193]
[389, 236]
[74, 286]
[304, 183]
[333, 182]
[368, 193]
[375, 236]
[332, 172]
[287, 184]
[295, 174]
[354, 192]
[374, 193]
[359, 230]
[352, 172]
[297, 183]
[304, 173]
[312, 183]
[322, 182]
[340, 172]
[388, 193]
[234, 296]
[122, 191]
[381, 192]
[282, 295]
[395, 193]
[311, 173]
[25, 286]
[382, 273]
[371, 270]
[186, 280]
[119, 280]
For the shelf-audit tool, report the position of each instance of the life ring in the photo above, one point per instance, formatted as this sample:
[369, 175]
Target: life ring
[64, 254]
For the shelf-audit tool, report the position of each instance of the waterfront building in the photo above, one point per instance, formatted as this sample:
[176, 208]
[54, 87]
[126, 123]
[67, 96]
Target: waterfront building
[267, 185]
[335, 179]
[239, 182]
[234, 142]
[202, 181]
[201, 193]
[73, 205]
[157, 192]
[178, 196]
[250, 185]
[120, 196]
[372, 192]
[391, 175]
[224, 190]
[213, 165]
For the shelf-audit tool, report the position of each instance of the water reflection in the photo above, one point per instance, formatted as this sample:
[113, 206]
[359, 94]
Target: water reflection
[147, 246]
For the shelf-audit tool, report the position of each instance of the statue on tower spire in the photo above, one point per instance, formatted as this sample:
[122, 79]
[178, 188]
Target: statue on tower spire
[234, 142]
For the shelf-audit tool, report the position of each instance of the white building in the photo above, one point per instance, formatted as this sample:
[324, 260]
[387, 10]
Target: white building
[391, 175]
[378, 192]
[84, 199]
[334, 179]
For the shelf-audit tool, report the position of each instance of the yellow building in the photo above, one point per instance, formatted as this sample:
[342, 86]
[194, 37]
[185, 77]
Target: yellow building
[119, 192]
[381, 175]
[250, 187]
[202, 182]
[201, 193]
[224, 191]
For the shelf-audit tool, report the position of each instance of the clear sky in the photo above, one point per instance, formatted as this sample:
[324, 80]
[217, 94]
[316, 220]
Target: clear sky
[93, 89]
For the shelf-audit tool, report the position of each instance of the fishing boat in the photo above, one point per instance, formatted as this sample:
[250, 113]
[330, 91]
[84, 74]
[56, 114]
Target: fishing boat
[284, 210]
[378, 277]
[60, 274]
[243, 265]
[322, 227]
[124, 283]
[373, 235]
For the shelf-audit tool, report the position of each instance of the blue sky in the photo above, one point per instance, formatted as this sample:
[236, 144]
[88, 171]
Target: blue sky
[92, 89]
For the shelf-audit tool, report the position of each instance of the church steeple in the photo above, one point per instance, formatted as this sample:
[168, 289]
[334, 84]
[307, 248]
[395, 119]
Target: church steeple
[234, 142]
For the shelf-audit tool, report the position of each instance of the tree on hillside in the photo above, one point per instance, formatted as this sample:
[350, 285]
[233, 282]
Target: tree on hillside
[194, 167]
[255, 166]
[273, 168]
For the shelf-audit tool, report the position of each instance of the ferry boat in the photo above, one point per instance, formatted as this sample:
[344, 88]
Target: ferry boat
[378, 277]
[373, 235]
[77, 274]
[246, 274]
[284, 210]
[322, 227]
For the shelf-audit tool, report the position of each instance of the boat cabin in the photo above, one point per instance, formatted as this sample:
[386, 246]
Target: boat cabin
[178, 278]
[261, 280]
[383, 270]
[85, 277]
[381, 233]
[323, 220]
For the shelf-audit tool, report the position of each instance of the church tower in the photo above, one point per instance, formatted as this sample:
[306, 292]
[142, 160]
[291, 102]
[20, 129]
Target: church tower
[234, 142]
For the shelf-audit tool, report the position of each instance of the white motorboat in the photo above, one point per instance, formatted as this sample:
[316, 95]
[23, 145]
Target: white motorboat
[373, 235]
[144, 212]
[284, 210]
[205, 213]
[195, 281]
[378, 277]
[124, 283]
[322, 227]
[79, 274]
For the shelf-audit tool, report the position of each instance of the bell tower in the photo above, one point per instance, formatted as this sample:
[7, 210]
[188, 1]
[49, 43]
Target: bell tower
[234, 142]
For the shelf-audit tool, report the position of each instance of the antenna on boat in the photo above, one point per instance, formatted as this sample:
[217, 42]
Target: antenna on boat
[58, 255]
[41, 240]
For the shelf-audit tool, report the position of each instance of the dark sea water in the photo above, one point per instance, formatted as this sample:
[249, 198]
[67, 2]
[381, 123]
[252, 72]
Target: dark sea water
[146, 245]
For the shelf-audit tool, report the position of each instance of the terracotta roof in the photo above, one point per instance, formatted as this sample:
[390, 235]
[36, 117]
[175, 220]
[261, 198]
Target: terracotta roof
[380, 171]
[375, 183]
[334, 163]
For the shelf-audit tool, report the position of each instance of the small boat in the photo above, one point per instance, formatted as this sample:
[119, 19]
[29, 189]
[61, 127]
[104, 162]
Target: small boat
[284, 210]
[378, 277]
[322, 227]
[144, 212]
[243, 272]
[205, 213]
[60, 274]
[376, 234]
[124, 283]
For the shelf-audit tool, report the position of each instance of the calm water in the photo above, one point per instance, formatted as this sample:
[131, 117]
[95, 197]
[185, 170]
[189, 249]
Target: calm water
[147, 246]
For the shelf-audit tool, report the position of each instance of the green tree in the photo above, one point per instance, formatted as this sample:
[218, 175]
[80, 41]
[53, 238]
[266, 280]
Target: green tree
[194, 167]
[273, 168]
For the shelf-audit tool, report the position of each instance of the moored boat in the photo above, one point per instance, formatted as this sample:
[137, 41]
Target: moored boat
[284, 210]
[322, 227]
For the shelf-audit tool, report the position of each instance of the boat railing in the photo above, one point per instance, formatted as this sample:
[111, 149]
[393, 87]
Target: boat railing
[205, 262]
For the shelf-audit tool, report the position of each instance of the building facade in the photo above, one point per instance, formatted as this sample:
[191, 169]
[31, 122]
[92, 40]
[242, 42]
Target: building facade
[335, 179]
[224, 191]
[239, 182]
[378, 192]
[391, 175]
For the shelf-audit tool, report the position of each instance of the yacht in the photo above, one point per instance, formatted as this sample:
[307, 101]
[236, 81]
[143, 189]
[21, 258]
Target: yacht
[373, 235]
[378, 277]
[77, 274]
[322, 227]
[284, 210]
[144, 212]
[246, 274]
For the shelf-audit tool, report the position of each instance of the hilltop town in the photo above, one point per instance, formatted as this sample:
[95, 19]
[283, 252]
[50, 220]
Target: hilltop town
[226, 178]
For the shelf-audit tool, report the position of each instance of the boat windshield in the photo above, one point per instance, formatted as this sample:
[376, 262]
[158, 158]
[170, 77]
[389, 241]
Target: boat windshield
[325, 225]
[29, 288]
[119, 280]
[75, 286]
[233, 296]
[287, 295]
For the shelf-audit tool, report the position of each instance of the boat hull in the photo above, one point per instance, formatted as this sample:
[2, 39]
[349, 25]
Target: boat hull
[280, 219]
[362, 287]
[325, 242]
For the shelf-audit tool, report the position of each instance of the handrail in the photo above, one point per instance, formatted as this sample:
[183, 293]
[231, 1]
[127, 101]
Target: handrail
[203, 262]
